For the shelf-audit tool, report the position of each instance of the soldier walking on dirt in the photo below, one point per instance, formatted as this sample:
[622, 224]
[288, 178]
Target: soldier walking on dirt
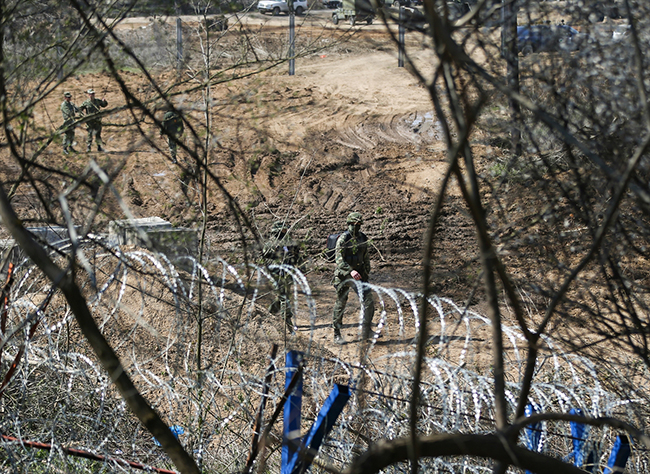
[280, 250]
[69, 112]
[173, 126]
[91, 107]
[352, 263]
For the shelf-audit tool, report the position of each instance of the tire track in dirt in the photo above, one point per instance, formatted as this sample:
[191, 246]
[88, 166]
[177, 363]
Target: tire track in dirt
[413, 128]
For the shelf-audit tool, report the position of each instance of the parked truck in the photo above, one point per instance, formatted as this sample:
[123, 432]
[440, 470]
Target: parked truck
[355, 11]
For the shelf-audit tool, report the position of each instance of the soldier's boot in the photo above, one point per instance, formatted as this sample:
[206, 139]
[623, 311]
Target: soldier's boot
[88, 149]
[65, 150]
[72, 149]
[274, 308]
[368, 334]
[290, 329]
[99, 148]
[338, 338]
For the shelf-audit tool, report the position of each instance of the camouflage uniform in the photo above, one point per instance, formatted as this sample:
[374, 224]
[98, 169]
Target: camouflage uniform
[92, 107]
[173, 125]
[351, 254]
[279, 250]
[69, 112]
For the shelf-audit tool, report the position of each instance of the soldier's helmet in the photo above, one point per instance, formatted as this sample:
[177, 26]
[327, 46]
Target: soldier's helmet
[67, 94]
[90, 91]
[355, 218]
[277, 227]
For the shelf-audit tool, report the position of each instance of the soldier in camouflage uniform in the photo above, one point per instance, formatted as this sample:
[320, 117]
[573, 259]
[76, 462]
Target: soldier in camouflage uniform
[280, 250]
[173, 125]
[352, 263]
[69, 112]
[92, 107]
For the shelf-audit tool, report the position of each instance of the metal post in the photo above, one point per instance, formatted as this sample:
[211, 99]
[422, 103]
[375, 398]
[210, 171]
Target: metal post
[179, 46]
[580, 434]
[297, 376]
[400, 42]
[59, 50]
[323, 424]
[618, 457]
[292, 409]
[292, 43]
[510, 54]
[533, 433]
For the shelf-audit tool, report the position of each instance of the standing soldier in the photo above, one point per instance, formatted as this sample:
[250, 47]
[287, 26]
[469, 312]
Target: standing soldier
[280, 250]
[352, 263]
[173, 126]
[91, 107]
[69, 111]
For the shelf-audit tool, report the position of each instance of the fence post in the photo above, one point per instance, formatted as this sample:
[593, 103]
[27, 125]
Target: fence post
[618, 457]
[292, 409]
[179, 46]
[580, 435]
[323, 424]
[400, 42]
[297, 453]
[533, 433]
[292, 43]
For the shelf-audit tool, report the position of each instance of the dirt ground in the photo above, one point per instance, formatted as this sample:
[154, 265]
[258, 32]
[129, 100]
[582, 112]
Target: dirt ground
[349, 131]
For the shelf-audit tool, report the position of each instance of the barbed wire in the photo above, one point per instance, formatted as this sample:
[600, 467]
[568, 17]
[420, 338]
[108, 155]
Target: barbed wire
[147, 306]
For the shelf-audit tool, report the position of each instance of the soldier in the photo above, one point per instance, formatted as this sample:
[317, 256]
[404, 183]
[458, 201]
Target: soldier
[172, 125]
[280, 250]
[352, 263]
[69, 111]
[90, 108]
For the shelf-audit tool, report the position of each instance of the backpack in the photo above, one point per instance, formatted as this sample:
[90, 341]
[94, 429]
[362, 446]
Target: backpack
[330, 251]
[173, 124]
